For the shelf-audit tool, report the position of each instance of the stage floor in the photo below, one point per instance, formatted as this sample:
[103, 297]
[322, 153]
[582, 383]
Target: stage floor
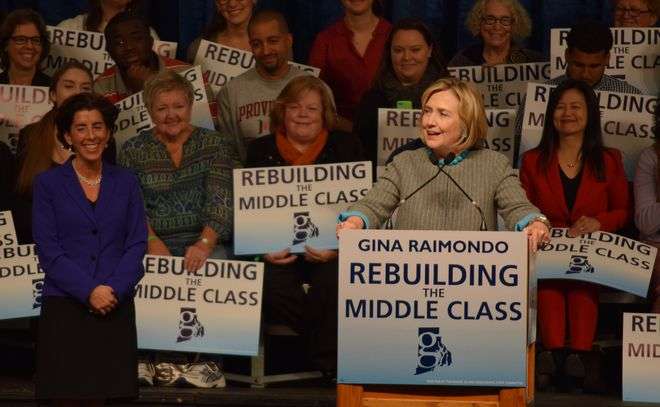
[20, 392]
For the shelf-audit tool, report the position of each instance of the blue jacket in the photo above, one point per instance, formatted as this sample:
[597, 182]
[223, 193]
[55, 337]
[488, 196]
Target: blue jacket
[81, 247]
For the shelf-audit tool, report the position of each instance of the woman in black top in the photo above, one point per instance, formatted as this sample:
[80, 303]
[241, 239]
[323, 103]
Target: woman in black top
[23, 47]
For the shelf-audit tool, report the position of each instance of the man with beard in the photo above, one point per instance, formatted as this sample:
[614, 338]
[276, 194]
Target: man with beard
[245, 102]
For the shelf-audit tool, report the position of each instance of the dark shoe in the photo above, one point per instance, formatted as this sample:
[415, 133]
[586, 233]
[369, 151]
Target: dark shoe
[574, 366]
[593, 378]
[545, 370]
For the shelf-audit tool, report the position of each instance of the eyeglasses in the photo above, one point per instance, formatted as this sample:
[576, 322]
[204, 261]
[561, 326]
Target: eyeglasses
[22, 40]
[632, 12]
[491, 20]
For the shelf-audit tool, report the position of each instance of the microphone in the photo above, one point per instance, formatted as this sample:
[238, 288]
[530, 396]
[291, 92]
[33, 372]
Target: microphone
[449, 158]
[482, 227]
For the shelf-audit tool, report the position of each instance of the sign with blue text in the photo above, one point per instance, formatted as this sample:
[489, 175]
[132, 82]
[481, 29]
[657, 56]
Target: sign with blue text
[599, 257]
[216, 309]
[7, 230]
[433, 308]
[20, 106]
[221, 63]
[635, 56]
[502, 86]
[641, 357]
[276, 208]
[21, 282]
[626, 121]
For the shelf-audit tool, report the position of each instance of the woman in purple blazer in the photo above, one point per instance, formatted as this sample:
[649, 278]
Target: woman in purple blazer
[91, 235]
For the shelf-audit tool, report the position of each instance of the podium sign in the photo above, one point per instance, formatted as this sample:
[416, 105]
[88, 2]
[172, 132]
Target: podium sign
[433, 308]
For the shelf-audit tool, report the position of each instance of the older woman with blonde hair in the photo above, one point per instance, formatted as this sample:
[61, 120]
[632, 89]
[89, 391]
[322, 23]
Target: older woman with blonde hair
[636, 13]
[424, 183]
[302, 124]
[500, 26]
[185, 173]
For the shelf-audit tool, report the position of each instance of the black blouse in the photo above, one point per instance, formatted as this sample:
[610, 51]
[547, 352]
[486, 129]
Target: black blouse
[571, 186]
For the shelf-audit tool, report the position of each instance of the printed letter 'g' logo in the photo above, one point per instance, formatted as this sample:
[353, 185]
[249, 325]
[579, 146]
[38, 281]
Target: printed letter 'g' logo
[579, 264]
[189, 325]
[431, 352]
[303, 228]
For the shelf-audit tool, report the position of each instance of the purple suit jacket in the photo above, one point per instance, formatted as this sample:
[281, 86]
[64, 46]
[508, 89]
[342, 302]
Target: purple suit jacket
[80, 246]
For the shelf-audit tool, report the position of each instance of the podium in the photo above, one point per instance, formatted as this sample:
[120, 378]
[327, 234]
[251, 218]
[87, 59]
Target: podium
[359, 263]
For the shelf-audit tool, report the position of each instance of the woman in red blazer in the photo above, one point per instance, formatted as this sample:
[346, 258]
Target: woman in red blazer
[581, 185]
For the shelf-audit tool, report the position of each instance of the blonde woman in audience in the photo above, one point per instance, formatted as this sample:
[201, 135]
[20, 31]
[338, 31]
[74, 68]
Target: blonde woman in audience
[500, 25]
[636, 13]
[228, 26]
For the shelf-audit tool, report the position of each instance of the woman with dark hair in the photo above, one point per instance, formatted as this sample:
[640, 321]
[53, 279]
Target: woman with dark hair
[23, 47]
[39, 148]
[228, 26]
[500, 25]
[647, 206]
[91, 235]
[413, 63]
[349, 53]
[99, 13]
[581, 185]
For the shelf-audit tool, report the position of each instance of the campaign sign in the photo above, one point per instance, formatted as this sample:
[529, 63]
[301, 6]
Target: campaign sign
[626, 121]
[502, 86]
[20, 106]
[88, 47]
[221, 63]
[433, 308]
[598, 257]
[7, 230]
[641, 357]
[134, 118]
[21, 282]
[397, 127]
[216, 309]
[634, 56]
[294, 206]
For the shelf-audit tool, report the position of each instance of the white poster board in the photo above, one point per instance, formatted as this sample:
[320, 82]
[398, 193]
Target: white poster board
[641, 357]
[20, 106]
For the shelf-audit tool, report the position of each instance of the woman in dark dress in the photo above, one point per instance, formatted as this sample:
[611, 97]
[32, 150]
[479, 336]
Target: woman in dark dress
[91, 235]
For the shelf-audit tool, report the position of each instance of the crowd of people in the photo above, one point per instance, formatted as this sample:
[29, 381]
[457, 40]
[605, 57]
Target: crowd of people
[171, 186]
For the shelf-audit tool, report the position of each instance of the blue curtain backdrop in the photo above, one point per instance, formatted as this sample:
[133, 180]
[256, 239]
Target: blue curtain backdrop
[182, 20]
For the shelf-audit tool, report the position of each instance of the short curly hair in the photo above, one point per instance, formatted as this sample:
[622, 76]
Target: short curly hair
[522, 24]
[84, 101]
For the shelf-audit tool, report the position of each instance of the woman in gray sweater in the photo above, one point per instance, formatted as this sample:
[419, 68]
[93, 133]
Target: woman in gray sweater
[429, 186]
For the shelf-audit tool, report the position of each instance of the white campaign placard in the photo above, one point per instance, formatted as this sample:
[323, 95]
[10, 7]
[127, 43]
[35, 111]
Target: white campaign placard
[433, 308]
[216, 309]
[397, 127]
[88, 47]
[626, 121]
[221, 63]
[635, 56]
[641, 357]
[502, 86]
[7, 230]
[134, 117]
[21, 282]
[20, 106]
[292, 206]
[598, 257]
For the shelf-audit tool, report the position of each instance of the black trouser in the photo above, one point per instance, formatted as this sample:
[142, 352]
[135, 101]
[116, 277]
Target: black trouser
[313, 315]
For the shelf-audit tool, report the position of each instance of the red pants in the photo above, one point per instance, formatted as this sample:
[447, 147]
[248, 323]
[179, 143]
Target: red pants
[575, 300]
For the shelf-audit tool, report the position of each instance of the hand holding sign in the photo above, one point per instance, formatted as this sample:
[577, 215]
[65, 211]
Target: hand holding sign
[313, 255]
[583, 226]
[281, 258]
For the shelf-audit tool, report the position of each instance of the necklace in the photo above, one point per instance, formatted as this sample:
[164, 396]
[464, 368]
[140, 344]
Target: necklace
[572, 165]
[90, 182]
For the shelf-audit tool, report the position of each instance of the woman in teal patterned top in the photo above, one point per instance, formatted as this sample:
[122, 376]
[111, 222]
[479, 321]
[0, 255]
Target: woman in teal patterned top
[185, 173]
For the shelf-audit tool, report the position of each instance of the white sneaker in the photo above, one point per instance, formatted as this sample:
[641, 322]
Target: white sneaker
[204, 374]
[146, 373]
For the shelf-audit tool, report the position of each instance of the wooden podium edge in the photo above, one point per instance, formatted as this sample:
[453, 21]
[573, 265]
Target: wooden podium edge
[361, 395]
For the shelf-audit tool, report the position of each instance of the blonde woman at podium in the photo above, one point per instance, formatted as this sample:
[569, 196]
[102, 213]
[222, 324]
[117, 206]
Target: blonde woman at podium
[452, 183]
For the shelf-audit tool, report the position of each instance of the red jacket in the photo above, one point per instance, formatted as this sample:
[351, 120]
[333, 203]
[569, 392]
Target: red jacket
[608, 200]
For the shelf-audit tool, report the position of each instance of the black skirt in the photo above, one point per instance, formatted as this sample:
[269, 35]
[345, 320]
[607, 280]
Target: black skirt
[81, 355]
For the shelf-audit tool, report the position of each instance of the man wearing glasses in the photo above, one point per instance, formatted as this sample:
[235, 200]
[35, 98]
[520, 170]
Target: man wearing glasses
[636, 13]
